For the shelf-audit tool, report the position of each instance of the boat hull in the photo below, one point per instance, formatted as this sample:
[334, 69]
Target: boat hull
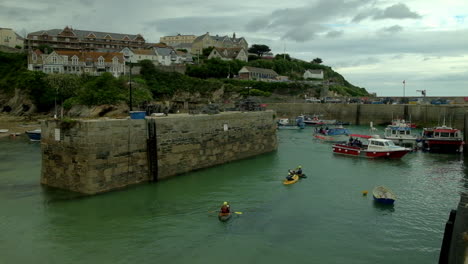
[295, 179]
[223, 217]
[34, 135]
[364, 153]
[383, 195]
[332, 139]
[443, 146]
[384, 200]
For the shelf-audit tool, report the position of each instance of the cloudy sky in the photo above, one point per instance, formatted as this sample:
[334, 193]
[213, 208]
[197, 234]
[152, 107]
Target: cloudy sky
[375, 44]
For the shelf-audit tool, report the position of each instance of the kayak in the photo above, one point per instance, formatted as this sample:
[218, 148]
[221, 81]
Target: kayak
[223, 217]
[295, 179]
[302, 176]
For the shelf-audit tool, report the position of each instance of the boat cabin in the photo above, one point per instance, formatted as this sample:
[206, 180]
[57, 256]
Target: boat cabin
[442, 132]
[397, 131]
[380, 144]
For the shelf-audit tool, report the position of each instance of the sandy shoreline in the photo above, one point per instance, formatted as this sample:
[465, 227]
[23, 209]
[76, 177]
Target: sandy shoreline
[19, 124]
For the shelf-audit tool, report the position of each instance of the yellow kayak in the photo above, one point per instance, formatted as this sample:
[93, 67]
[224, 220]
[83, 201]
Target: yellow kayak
[295, 179]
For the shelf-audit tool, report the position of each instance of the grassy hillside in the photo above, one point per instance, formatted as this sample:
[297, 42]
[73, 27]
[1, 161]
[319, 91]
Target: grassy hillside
[292, 68]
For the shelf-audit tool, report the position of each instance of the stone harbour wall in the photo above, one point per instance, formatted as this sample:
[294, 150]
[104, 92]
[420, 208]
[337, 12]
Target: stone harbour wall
[94, 156]
[187, 143]
[363, 114]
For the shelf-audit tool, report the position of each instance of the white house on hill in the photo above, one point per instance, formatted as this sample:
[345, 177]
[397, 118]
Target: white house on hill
[313, 74]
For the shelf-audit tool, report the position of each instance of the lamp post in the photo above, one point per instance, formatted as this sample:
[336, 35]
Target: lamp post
[127, 58]
[248, 91]
[130, 85]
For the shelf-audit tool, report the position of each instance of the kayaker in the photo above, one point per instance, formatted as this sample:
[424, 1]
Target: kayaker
[299, 171]
[290, 175]
[225, 208]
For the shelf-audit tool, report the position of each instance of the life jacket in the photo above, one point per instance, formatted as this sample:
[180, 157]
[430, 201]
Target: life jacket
[225, 209]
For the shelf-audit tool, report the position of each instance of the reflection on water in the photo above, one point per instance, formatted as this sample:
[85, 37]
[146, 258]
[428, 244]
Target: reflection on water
[175, 221]
[384, 207]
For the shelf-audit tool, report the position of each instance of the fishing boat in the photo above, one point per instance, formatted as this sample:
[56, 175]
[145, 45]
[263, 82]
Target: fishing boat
[285, 123]
[383, 195]
[34, 135]
[333, 135]
[223, 217]
[400, 133]
[315, 120]
[294, 180]
[376, 147]
[442, 139]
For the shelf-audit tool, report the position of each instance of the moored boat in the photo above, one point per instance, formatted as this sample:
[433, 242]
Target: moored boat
[285, 123]
[34, 135]
[294, 180]
[315, 120]
[223, 217]
[375, 148]
[383, 195]
[333, 135]
[400, 134]
[443, 139]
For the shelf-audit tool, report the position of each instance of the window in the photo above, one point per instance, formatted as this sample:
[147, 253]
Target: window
[54, 38]
[34, 57]
[101, 61]
[67, 39]
[75, 60]
[34, 37]
[54, 60]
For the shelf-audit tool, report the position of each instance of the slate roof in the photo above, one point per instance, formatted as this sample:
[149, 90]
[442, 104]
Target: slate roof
[81, 34]
[259, 70]
[91, 56]
[231, 52]
[164, 51]
[315, 71]
[219, 38]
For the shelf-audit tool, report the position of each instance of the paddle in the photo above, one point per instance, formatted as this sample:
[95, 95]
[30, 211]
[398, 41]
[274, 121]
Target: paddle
[239, 213]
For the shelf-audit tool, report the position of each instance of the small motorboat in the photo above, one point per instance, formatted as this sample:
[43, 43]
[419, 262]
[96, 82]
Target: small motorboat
[3, 130]
[294, 180]
[375, 148]
[443, 140]
[333, 135]
[223, 217]
[383, 195]
[34, 135]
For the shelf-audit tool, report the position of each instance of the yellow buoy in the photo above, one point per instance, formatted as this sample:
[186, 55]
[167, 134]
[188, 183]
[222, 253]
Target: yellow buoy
[364, 193]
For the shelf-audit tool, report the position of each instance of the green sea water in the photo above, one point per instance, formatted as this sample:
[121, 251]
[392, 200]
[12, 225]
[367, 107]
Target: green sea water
[321, 219]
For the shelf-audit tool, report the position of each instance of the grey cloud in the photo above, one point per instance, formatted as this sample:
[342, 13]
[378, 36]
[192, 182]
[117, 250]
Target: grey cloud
[195, 25]
[392, 30]
[320, 12]
[334, 33]
[397, 11]
[357, 62]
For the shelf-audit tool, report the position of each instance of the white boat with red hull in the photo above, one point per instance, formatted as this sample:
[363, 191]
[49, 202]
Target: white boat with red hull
[375, 148]
[443, 139]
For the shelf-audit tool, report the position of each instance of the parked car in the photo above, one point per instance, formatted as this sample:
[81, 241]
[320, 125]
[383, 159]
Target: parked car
[312, 100]
[332, 100]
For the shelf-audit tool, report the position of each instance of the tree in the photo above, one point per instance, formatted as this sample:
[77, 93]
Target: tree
[206, 51]
[317, 60]
[259, 49]
[283, 56]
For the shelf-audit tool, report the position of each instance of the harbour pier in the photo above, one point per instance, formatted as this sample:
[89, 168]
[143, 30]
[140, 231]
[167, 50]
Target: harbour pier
[95, 156]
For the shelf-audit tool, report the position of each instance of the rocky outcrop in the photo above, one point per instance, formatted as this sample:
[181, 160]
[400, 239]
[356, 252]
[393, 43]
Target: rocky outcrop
[20, 104]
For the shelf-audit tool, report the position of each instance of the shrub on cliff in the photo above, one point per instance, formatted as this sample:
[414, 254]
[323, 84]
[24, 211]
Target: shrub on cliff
[104, 89]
